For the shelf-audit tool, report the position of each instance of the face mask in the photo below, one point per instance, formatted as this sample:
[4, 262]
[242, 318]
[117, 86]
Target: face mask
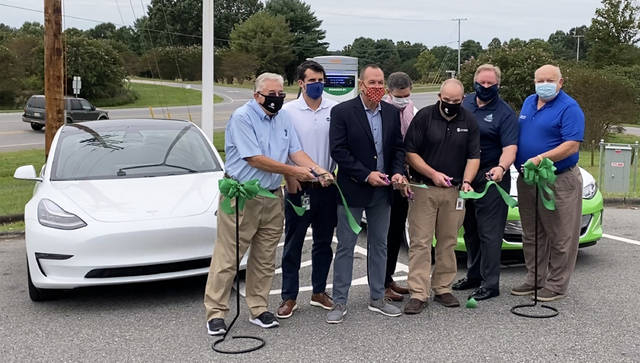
[546, 91]
[272, 104]
[449, 109]
[400, 102]
[485, 94]
[314, 90]
[374, 94]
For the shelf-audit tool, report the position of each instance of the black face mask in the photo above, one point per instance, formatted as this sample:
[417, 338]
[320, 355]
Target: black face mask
[272, 104]
[449, 109]
[485, 94]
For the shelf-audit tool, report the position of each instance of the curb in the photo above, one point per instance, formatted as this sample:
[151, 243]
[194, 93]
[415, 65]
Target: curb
[11, 218]
[622, 201]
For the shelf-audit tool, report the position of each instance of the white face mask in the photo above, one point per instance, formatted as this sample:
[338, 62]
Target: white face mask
[400, 102]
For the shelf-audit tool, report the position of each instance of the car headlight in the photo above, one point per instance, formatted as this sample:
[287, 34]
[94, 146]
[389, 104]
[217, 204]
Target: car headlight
[51, 215]
[589, 190]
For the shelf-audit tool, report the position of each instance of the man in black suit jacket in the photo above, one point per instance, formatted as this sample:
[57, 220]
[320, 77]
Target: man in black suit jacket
[366, 143]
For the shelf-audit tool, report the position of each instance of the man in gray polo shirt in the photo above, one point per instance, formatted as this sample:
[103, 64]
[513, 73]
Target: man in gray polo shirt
[310, 116]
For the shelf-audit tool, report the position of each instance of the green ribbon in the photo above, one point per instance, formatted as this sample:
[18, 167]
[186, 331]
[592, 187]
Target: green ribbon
[353, 224]
[242, 192]
[542, 176]
[505, 196]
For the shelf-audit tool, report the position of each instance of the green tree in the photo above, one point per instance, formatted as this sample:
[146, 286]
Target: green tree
[32, 28]
[446, 60]
[362, 48]
[613, 33]
[494, 44]
[102, 31]
[308, 38]
[171, 22]
[235, 64]
[268, 38]
[229, 13]
[470, 48]
[564, 45]
[408, 51]
[426, 65]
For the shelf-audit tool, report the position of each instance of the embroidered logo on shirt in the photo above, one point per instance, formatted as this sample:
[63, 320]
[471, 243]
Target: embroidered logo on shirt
[489, 118]
[462, 130]
[522, 117]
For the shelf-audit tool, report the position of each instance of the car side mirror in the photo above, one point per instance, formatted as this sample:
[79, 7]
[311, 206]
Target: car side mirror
[93, 108]
[26, 172]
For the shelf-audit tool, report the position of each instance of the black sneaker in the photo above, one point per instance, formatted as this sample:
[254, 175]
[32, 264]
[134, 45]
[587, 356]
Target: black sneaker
[265, 320]
[216, 326]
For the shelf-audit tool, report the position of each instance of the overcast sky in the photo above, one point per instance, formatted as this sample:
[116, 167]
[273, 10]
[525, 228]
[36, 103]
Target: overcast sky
[428, 22]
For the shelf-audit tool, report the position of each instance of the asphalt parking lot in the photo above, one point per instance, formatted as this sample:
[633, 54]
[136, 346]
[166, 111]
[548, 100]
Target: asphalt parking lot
[598, 321]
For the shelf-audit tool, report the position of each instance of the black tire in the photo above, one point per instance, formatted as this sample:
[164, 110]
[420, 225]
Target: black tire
[103, 118]
[36, 126]
[36, 294]
[69, 120]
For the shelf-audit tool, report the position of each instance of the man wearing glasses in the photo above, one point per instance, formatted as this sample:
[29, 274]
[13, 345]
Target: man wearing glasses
[259, 138]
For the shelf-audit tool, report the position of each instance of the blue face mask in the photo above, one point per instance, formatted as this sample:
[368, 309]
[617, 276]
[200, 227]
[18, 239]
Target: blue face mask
[485, 94]
[314, 90]
[546, 91]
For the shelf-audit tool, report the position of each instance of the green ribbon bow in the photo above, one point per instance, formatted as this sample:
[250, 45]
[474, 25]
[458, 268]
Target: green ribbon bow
[542, 176]
[505, 196]
[242, 192]
[353, 224]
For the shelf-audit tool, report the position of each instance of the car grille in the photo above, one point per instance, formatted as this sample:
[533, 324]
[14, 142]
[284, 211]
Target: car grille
[102, 273]
[513, 229]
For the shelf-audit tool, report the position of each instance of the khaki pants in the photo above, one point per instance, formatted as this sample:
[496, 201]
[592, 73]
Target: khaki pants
[433, 211]
[558, 231]
[261, 224]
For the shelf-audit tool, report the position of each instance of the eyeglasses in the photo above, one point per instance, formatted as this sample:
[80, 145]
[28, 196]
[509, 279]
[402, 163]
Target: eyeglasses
[273, 94]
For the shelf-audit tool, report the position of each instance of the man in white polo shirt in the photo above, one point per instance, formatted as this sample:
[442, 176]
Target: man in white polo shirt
[310, 115]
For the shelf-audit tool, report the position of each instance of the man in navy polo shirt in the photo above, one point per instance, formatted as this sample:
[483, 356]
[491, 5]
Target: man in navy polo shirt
[552, 126]
[485, 218]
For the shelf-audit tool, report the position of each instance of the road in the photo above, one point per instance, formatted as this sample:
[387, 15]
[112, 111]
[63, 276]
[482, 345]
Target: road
[598, 321]
[17, 135]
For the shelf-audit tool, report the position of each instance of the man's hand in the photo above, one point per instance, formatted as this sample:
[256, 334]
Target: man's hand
[441, 180]
[378, 179]
[466, 187]
[401, 183]
[293, 185]
[302, 173]
[324, 177]
[495, 174]
[536, 160]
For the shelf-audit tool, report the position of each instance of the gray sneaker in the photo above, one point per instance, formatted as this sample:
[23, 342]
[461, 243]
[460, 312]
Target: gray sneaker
[336, 315]
[384, 308]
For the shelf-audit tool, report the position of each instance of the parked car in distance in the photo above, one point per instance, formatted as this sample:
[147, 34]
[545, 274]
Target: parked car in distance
[78, 109]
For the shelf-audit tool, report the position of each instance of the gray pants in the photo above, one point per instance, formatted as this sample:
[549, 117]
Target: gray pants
[558, 231]
[377, 226]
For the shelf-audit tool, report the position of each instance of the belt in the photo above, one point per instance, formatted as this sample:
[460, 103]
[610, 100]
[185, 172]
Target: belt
[270, 190]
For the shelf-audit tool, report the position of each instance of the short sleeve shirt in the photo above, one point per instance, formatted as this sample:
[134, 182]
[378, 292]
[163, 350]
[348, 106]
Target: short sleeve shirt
[251, 132]
[444, 145]
[557, 121]
[312, 128]
[498, 126]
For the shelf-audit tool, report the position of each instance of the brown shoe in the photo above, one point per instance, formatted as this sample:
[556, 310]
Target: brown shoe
[322, 300]
[447, 299]
[545, 294]
[392, 295]
[286, 309]
[522, 290]
[414, 306]
[399, 289]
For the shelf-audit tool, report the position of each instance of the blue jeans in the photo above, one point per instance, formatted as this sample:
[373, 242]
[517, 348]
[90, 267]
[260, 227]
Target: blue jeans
[378, 212]
[322, 218]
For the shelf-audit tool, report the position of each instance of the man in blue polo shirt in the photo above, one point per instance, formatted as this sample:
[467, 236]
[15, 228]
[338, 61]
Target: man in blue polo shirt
[551, 126]
[259, 138]
[485, 218]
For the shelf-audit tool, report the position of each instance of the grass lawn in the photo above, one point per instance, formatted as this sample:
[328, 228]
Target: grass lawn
[15, 193]
[164, 96]
[12, 227]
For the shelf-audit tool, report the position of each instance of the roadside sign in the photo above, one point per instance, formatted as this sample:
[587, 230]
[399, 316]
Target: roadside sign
[77, 85]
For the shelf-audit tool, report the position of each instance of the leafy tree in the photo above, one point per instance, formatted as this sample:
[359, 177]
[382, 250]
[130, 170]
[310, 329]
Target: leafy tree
[518, 62]
[32, 28]
[181, 62]
[268, 38]
[386, 55]
[171, 22]
[470, 48]
[564, 45]
[308, 38]
[426, 64]
[362, 48]
[234, 64]
[613, 33]
[495, 43]
[446, 60]
[10, 79]
[229, 13]
[102, 31]
[408, 51]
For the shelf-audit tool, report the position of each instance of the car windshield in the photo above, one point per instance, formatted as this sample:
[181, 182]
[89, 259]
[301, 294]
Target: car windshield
[133, 150]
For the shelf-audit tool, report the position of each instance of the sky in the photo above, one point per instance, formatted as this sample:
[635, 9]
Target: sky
[428, 22]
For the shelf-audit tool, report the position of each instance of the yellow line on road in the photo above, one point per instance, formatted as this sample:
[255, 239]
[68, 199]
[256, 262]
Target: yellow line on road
[16, 132]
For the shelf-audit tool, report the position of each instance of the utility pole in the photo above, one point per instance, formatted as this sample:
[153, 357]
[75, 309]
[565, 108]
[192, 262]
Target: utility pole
[53, 71]
[459, 20]
[206, 120]
[578, 48]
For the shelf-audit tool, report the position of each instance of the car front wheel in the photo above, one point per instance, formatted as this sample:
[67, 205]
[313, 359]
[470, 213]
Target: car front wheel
[36, 126]
[37, 294]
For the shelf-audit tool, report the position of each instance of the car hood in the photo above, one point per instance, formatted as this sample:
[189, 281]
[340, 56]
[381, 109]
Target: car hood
[586, 179]
[135, 199]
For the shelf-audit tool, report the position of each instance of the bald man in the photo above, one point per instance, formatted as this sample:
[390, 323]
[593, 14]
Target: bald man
[551, 126]
[443, 151]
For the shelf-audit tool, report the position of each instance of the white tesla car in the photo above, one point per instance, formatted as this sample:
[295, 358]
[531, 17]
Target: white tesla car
[121, 201]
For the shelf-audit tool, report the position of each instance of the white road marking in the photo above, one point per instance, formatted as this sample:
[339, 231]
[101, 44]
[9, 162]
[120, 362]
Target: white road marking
[621, 239]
